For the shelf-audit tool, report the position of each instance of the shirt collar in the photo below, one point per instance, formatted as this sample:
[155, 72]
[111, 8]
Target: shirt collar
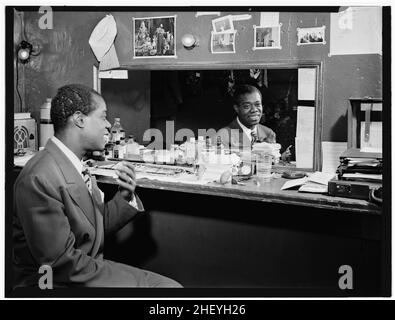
[69, 154]
[246, 130]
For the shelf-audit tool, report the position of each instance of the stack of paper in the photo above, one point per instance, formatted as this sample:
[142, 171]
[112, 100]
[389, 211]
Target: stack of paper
[304, 140]
[331, 152]
[315, 183]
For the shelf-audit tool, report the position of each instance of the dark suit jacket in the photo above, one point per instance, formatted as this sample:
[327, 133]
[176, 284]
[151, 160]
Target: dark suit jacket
[233, 135]
[57, 223]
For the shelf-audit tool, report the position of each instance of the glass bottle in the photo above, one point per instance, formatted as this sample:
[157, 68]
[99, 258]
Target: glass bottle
[122, 143]
[118, 150]
[199, 148]
[110, 149]
[117, 131]
[191, 151]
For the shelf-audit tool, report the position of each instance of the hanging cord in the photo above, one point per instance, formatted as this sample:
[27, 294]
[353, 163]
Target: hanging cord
[17, 86]
[23, 36]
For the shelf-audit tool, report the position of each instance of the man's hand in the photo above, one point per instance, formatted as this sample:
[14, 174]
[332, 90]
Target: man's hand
[126, 179]
[286, 154]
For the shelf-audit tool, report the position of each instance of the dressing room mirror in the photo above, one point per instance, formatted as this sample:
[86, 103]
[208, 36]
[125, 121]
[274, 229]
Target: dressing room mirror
[201, 98]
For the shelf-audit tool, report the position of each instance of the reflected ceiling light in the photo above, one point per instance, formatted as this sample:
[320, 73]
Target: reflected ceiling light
[189, 41]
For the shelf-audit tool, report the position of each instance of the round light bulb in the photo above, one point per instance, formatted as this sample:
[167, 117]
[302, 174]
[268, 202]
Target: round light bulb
[188, 41]
[23, 54]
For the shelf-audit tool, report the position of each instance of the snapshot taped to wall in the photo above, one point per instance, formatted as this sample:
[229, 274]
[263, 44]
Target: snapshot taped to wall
[154, 37]
[223, 42]
[311, 36]
[267, 37]
[223, 24]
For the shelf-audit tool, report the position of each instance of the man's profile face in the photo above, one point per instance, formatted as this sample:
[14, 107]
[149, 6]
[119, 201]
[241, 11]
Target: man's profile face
[249, 109]
[96, 130]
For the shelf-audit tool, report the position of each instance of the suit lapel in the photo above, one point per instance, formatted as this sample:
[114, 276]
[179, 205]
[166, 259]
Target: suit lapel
[261, 133]
[75, 184]
[99, 212]
[83, 200]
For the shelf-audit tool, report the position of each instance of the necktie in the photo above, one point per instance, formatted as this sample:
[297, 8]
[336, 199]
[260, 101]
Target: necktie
[87, 179]
[254, 137]
[90, 182]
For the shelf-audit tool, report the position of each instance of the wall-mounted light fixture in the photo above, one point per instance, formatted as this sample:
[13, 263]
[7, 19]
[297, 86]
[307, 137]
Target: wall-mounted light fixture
[24, 51]
[189, 41]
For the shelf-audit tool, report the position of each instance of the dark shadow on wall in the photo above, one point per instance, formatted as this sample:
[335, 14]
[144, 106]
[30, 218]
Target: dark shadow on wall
[339, 130]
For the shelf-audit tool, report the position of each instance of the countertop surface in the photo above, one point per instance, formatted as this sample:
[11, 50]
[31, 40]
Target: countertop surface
[266, 192]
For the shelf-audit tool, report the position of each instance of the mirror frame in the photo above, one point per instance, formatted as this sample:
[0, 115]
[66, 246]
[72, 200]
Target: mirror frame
[317, 65]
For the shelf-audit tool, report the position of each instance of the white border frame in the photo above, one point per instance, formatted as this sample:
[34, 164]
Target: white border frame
[217, 33]
[153, 57]
[271, 26]
[299, 32]
[228, 17]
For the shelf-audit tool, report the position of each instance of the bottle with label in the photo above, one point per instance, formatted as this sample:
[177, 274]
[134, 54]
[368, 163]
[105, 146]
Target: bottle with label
[117, 131]
[208, 143]
[109, 147]
[264, 165]
[210, 151]
[219, 145]
[199, 148]
[122, 143]
[46, 126]
[118, 150]
[191, 151]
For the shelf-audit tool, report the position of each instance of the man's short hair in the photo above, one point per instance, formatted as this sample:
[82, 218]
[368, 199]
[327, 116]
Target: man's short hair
[69, 99]
[244, 89]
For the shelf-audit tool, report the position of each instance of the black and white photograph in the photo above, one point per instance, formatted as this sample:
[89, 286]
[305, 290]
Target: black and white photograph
[223, 42]
[154, 37]
[311, 36]
[225, 170]
[267, 37]
[223, 24]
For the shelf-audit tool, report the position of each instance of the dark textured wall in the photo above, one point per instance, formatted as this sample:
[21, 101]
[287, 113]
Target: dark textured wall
[66, 56]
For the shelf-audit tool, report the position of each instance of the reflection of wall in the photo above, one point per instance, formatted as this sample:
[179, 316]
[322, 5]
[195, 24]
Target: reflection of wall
[129, 100]
[67, 56]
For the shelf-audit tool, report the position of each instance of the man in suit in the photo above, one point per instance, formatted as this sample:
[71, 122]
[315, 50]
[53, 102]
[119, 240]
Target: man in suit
[245, 130]
[60, 218]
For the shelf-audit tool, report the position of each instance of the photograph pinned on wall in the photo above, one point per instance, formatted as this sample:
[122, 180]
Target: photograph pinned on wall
[311, 36]
[267, 37]
[223, 24]
[154, 37]
[223, 42]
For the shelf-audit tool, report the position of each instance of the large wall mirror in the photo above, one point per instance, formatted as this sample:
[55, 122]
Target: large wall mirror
[200, 97]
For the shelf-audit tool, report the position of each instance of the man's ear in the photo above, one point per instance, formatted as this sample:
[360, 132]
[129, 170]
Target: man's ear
[78, 118]
[236, 108]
